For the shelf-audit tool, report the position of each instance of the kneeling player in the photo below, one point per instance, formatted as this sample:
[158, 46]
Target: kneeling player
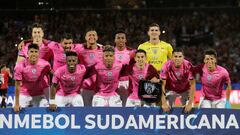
[139, 71]
[108, 72]
[177, 81]
[213, 78]
[29, 80]
[69, 78]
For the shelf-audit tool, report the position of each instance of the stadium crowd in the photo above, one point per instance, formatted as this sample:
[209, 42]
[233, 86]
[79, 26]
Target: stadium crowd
[222, 26]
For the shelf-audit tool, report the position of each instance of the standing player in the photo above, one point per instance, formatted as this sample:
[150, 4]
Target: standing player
[37, 38]
[89, 54]
[69, 78]
[59, 50]
[139, 71]
[177, 81]
[157, 51]
[107, 72]
[123, 54]
[4, 76]
[29, 82]
[213, 78]
[44, 51]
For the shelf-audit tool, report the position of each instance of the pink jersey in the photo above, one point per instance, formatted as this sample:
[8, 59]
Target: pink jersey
[177, 79]
[107, 79]
[136, 75]
[59, 56]
[89, 57]
[213, 82]
[44, 51]
[32, 77]
[124, 56]
[70, 83]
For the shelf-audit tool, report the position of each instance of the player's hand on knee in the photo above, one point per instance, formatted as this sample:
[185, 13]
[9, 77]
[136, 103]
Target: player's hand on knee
[166, 107]
[16, 108]
[53, 107]
[187, 108]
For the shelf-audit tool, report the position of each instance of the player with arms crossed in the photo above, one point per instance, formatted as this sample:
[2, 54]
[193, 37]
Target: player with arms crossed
[29, 80]
[213, 78]
[177, 81]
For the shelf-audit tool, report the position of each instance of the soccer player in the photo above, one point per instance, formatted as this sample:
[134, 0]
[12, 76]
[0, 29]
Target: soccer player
[37, 38]
[123, 54]
[213, 78]
[177, 81]
[59, 50]
[4, 76]
[29, 82]
[139, 71]
[158, 51]
[107, 73]
[89, 53]
[69, 78]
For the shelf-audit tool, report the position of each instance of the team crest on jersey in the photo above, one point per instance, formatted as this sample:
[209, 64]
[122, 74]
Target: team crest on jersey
[178, 74]
[149, 88]
[91, 55]
[120, 57]
[72, 78]
[209, 77]
[34, 71]
[109, 74]
[64, 56]
[140, 76]
[154, 51]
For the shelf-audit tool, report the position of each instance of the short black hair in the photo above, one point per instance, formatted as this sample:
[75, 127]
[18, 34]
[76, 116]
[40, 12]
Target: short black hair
[66, 36]
[34, 46]
[90, 29]
[210, 51]
[120, 31]
[37, 25]
[153, 25]
[2, 66]
[178, 49]
[108, 48]
[141, 51]
[71, 53]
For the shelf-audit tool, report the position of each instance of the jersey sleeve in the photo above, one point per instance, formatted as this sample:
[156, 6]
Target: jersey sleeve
[170, 50]
[56, 77]
[18, 72]
[164, 70]
[227, 77]
[197, 69]
[151, 73]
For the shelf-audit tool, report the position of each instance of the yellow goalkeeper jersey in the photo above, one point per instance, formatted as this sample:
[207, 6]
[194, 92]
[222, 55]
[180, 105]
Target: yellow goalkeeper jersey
[158, 54]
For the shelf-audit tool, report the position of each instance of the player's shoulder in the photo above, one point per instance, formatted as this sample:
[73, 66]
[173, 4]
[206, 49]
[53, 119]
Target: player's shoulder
[80, 66]
[144, 44]
[43, 62]
[187, 63]
[221, 69]
[53, 44]
[20, 65]
[165, 43]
